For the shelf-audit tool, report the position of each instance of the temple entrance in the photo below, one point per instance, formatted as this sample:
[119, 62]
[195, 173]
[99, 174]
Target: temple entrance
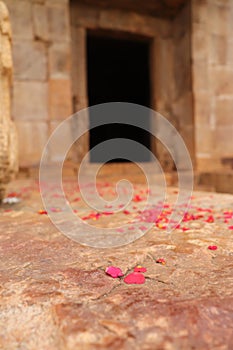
[118, 71]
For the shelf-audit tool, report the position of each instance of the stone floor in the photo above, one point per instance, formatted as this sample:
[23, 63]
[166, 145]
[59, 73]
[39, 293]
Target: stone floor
[55, 294]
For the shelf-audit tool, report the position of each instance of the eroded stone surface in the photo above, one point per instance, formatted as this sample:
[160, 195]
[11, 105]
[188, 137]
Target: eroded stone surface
[55, 293]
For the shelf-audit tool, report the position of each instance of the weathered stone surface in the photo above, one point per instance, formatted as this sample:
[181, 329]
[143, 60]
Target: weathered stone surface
[222, 78]
[223, 111]
[127, 21]
[201, 101]
[30, 100]
[218, 49]
[57, 148]
[212, 79]
[206, 162]
[58, 22]
[60, 104]
[59, 60]
[224, 136]
[79, 67]
[219, 18]
[199, 11]
[200, 81]
[221, 182]
[204, 139]
[30, 60]
[40, 22]
[182, 65]
[152, 8]
[57, 290]
[57, 1]
[29, 149]
[20, 15]
[200, 42]
[183, 109]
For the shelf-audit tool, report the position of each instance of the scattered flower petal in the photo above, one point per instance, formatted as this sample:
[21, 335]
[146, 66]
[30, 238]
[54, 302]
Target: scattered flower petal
[210, 219]
[135, 278]
[114, 271]
[42, 212]
[161, 261]
[137, 198]
[13, 194]
[140, 268]
[126, 212]
[212, 247]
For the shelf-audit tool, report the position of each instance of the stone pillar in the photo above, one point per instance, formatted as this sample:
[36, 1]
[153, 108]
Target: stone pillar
[212, 62]
[8, 139]
[42, 74]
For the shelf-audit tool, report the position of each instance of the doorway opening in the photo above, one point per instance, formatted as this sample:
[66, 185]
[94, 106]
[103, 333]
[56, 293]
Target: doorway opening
[118, 71]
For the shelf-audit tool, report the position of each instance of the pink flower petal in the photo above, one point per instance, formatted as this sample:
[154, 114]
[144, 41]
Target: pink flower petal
[114, 271]
[212, 247]
[135, 278]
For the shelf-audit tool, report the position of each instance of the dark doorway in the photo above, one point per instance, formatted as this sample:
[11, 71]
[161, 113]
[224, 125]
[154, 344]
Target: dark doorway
[118, 71]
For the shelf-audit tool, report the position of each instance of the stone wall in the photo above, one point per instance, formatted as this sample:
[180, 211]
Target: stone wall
[47, 86]
[173, 83]
[42, 76]
[212, 53]
[191, 72]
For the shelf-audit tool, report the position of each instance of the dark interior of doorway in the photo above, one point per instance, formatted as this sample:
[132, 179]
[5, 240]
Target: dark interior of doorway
[118, 71]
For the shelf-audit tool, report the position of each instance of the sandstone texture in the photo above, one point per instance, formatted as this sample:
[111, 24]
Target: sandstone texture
[55, 294]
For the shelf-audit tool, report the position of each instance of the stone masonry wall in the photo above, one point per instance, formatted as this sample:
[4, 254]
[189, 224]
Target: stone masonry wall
[182, 98]
[45, 82]
[42, 77]
[199, 105]
[173, 83]
[212, 50]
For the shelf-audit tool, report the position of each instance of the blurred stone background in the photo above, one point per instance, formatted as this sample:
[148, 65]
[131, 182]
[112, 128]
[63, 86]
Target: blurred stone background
[190, 66]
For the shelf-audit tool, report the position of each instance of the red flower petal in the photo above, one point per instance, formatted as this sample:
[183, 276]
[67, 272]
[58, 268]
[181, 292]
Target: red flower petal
[114, 271]
[137, 198]
[210, 219]
[42, 212]
[212, 247]
[13, 194]
[135, 278]
[230, 227]
[161, 261]
[126, 212]
[140, 269]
